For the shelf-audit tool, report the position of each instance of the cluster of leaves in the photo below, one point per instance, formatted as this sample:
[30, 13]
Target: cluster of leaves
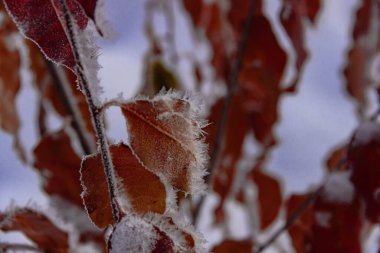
[133, 192]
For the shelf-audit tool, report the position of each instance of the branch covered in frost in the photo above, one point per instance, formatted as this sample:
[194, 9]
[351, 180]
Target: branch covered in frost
[94, 109]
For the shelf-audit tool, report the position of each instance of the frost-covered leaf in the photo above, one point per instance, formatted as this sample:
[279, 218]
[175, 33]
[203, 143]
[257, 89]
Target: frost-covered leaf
[166, 135]
[269, 197]
[133, 234]
[227, 246]
[41, 21]
[139, 190]
[364, 162]
[152, 234]
[59, 165]
[37, 227]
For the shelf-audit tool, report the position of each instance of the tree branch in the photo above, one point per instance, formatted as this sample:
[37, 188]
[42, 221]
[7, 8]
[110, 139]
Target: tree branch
[95, 112]
[72, 109]
[232, 83]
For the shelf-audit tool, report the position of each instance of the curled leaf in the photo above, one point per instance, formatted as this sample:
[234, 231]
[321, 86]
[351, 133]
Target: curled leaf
[37, 227]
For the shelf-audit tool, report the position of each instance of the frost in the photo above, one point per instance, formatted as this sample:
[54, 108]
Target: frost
[132, 235]
[338, 187]
[323, 219]
[365, 133]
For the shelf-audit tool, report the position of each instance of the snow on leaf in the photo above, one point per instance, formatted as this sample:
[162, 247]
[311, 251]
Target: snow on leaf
[338, 187]
[364, 162]
[269, 197]
[139, 190]
[59, 165]
[37, 227]
[166, 135]
[152, 234]
[41, 21]
[244, 246]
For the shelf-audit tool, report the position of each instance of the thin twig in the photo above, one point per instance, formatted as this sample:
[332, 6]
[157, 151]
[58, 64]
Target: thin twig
[290, 221]
[72, 109]
[4, 247]
[95, 111]
[232, 83]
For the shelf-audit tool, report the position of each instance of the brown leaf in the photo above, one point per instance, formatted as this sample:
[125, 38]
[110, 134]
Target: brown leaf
[228, 246]
[269, 197]
[360, 54]
[143, 191]
[59, 165]
[165, 135]
[38, 228]
[335, 160]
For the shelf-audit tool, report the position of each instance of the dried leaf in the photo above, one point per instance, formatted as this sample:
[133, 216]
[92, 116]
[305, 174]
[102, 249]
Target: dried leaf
[59, 165]
[165, 135]
[139, 190]
[38, 228]
[228, 246]
[51, 36]
[144, 190]
[269, 197]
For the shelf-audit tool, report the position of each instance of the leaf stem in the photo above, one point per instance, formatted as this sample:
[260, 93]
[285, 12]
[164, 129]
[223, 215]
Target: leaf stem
[232, 83]
[95, 112]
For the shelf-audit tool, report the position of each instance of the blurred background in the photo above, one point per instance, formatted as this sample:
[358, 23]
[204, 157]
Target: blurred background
[313, 121]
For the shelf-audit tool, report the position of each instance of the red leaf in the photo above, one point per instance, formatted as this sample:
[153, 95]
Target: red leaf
[41, 21]
[38, 228]
[59, 165]
[166, 136]
[364, 161]
[300, 231]
[361, 53]
[228, 246]
[327, 227]
[269, 196]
